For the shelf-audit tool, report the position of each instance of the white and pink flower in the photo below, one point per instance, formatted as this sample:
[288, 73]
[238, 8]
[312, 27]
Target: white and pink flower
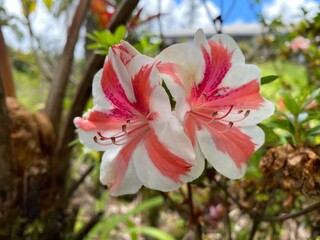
[220, 105]
[132, 122]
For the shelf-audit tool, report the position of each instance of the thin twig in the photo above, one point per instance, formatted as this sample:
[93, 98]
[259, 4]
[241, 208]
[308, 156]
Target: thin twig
[283, 217]
[227, 218]
[193, 218]
[209, 15]
[255, 225]
[243, 208]
[87, 228]
[75, 186]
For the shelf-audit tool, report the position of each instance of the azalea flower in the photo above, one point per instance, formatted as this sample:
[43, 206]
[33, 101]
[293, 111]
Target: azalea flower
[220, 103]
[132, 122]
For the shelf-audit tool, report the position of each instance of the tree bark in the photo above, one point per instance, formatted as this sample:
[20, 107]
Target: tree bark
[5, 69]
[54, 105]
[7, 167]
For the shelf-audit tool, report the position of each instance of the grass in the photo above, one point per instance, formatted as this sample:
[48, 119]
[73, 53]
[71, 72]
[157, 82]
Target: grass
[31, 91]
[292, 78]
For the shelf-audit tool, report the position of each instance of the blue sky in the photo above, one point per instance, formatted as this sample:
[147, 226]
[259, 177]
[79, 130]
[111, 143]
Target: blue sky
[245, 11]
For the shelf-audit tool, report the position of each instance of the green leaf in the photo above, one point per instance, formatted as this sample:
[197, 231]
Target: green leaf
[282, 124]
[134, 233]
[268, 79]
[152, 232]
[48, 3]
[311, 116]
[113, 221]
[313, 131]
[120, 33]
[270, 135]
[291, 104]
[261, 197]
[312, 97]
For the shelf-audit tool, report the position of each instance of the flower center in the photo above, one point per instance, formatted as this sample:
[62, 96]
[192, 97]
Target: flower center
[206, 116]
[130, 129]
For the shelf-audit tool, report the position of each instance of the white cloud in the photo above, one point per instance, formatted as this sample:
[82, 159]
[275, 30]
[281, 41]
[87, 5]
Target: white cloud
[289, 10]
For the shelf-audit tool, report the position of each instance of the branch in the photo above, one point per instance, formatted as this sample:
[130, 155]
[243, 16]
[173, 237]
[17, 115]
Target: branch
[6, 69]
[283, 217]
[54, 105]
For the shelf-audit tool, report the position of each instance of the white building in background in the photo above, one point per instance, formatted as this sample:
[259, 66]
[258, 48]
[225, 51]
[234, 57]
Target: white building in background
[237, 31]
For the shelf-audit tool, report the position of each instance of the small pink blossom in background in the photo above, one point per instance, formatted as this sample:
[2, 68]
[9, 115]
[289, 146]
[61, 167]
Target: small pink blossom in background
[299, 43]
[217, 211]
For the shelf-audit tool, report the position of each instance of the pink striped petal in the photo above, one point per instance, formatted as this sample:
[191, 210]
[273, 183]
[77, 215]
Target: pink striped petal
[159, 168]
[229, 150]
[118, 77]
[118, 172]
[125, 51]
[228, 43]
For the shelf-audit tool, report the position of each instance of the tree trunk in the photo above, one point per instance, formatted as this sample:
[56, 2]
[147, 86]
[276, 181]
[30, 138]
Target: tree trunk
[5, 69]
[7, 167]
[54, 105]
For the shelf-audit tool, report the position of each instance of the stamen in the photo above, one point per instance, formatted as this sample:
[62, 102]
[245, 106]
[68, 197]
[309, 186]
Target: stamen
[214, 114]
[102, 138]
[240, 111]
[121, 137]
[222, 117]
[230, 124]
[247, 113]
[204, 96]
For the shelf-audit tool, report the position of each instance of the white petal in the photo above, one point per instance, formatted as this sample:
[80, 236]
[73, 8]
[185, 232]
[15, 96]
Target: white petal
[231, 45]
[131, 50]
[199, 164]
[130, 183]
[160, 103]
[87, 138]
[135, 65]
[239, 75]
[201, 40]
[100, 102]
[123, 76]
[187, 56]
